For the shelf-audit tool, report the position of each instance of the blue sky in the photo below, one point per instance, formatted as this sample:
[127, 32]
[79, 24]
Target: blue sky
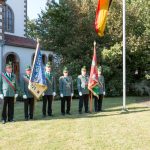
[35, 7]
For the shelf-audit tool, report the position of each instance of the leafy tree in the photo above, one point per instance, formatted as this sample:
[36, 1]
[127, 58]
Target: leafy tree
[67, 29]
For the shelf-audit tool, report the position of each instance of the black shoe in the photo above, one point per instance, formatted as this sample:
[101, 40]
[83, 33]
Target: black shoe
[12, 120]
[51, 115]
[26, 119]
[68, 113]
[63, 114]
[44, 116]
[86, 111]
[3, 121]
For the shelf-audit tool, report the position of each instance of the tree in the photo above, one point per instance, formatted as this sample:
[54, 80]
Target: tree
[68, 29]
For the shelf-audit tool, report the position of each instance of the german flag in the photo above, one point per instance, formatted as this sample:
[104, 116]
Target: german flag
[101, 16]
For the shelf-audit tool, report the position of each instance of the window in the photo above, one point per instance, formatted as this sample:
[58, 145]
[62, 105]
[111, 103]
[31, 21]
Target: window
[44, 59]
[8, 19]
[50, 58]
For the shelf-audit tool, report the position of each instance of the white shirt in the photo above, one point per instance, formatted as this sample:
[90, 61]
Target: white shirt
[8, 74]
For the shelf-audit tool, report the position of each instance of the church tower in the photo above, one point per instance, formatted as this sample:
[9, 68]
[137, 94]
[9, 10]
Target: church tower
[1, 21]
[1, 32]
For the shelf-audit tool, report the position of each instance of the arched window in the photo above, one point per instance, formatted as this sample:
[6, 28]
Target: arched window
[44, 59]
[50, 58]
[8, 19]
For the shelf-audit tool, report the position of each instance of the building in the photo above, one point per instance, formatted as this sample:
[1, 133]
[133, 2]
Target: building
[14, 46]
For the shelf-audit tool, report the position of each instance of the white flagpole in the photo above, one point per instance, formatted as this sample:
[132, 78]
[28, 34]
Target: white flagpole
[124, 54]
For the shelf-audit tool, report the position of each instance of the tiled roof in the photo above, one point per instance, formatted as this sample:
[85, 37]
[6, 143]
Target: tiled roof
[19, 41]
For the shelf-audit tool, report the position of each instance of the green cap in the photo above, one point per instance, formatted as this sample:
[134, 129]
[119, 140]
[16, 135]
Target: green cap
[65, 69]
[48, 64]
[99, 68]
[83, 68]
[9, 64]
[28, 67]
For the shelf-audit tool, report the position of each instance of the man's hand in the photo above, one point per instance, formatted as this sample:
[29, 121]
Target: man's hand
[54, 94]
[1, 96]
[80, 93]
[72, 94]
[24, 96]
[104, 93]
[61, 95]
[16, 95]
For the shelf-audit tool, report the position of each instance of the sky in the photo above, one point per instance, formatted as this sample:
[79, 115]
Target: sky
[35, 7]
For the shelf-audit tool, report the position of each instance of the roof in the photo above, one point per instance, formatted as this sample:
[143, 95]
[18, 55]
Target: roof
[19, 41]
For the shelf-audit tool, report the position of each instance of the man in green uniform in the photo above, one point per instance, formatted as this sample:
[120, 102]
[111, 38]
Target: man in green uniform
[66, 91]
[27, 96]
[50, 93]
[82, 84]
[8, 91]
[98, 101]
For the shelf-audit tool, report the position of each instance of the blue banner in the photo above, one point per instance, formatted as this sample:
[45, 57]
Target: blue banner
[38, 74]
[37, 83]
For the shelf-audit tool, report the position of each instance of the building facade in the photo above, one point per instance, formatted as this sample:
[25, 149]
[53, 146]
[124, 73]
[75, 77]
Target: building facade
[14, 46]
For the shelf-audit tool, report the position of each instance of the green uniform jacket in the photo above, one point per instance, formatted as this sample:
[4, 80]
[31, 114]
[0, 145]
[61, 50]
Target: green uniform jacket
[66, 85]
[82, 84]
[51, 84]
[5, 88]
[102, 84]
[26, 91]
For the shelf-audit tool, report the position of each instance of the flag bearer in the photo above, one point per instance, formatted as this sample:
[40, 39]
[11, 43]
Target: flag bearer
[98, 101]
[50, 93]
[8, 91]
[28, 96]
[82, 84]
[66, 91]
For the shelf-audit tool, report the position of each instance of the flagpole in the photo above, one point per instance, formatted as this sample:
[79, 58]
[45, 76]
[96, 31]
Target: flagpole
[91, 101]
[124, 55]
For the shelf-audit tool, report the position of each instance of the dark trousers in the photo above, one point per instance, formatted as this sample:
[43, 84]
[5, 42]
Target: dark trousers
[29, 108]
[98, 103]
[8, 101]
[83, 99]
[68, 99]
[47, 99]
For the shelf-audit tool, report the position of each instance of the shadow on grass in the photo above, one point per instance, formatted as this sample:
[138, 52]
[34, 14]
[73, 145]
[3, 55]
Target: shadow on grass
[112, 107]
[116, 112]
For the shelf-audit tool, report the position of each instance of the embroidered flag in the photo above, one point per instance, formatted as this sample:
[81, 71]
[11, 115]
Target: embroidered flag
[93, 84]
[37, 82]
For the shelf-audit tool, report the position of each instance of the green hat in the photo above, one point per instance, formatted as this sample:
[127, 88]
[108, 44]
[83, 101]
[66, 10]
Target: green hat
[65, 69]
[9, 64]
[48, 64]
[28, 67]
[83, 68]
[100, 68]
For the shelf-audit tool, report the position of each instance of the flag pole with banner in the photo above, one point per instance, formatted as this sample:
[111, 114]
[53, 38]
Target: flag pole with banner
[37, 82]
[93, 84]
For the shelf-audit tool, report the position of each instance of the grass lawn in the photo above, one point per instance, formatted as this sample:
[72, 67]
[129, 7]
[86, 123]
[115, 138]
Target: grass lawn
[108, 130]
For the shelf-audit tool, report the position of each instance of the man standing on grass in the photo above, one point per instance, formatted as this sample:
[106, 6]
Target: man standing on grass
[8, 92]
[98, 101]
[66, 91]
[50, 93]
[28, 97]
[82, 84]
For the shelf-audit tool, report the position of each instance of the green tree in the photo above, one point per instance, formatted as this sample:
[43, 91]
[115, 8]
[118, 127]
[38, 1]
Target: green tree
[68, 30]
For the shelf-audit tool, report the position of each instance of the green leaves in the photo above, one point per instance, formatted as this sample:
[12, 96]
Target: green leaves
[68, 30]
